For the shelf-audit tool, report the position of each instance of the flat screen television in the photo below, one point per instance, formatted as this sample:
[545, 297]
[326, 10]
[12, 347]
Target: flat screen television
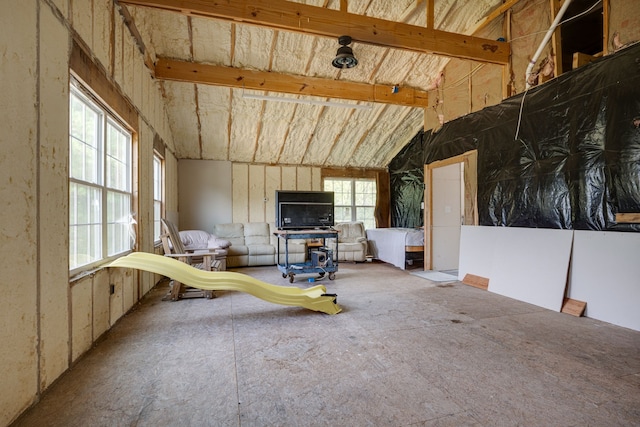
[299, 210]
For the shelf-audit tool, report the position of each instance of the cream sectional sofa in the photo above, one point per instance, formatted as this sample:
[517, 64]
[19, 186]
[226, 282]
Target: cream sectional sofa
[254, 243]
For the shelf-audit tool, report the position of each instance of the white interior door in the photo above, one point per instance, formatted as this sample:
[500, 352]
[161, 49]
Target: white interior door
[447, 215]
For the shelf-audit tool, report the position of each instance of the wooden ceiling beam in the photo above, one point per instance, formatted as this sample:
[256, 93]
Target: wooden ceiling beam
[319, 21]
[183, 71]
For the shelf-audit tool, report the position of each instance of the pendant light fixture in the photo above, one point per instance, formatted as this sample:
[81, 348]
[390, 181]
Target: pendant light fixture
[344, 57]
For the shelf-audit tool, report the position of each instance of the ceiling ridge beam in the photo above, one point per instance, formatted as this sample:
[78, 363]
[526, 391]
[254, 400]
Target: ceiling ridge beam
[219, 75]
[319, 21]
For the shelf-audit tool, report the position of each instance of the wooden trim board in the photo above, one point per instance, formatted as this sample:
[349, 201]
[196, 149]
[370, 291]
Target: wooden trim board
[476, 281]
[573, 307]
[631, 218]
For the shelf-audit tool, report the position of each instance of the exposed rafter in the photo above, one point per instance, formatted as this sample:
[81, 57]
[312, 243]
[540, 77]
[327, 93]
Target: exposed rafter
[169, 69]
[285, 15]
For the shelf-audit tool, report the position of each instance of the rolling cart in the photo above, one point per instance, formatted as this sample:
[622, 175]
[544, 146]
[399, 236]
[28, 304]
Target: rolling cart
[320, 259]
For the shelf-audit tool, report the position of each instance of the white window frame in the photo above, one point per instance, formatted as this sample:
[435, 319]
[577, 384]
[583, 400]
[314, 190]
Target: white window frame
[158, 196]
[110, 211]
[369, 222]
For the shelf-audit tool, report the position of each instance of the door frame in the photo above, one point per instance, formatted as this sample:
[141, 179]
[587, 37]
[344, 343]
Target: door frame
[470, 186]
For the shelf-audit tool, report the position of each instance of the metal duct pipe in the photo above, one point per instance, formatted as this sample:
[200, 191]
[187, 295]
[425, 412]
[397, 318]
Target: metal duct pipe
[547, 36]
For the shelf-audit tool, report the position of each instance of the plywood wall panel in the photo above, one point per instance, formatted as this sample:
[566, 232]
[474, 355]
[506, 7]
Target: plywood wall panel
[54, 179]
[145, 198]
[138, 71]
[118, 53]
[102, 19]
[272, 183]
[171, 183]
[100, 303]
[256, 193]
[316, 179]
[81, 322]
[63, 7]
[128, 67]
[18, 182]
[304, 178]
[240, 185]
[119, 281]
[289, 180]
[129, 293]
[82, 19]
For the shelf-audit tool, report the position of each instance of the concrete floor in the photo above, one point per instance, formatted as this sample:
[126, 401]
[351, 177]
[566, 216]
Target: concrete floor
[404, 352]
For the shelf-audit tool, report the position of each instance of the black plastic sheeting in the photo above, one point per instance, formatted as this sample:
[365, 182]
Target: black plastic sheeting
[574, 164]
[406, 173]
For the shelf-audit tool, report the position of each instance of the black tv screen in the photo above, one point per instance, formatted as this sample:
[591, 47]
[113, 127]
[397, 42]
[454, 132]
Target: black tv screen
[298, 210]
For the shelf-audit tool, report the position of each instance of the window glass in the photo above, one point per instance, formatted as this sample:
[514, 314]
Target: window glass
[100, 171]
[354, 199]
[157, 196]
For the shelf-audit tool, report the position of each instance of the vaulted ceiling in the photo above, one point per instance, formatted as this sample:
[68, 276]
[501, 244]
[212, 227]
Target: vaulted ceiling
[212, 57]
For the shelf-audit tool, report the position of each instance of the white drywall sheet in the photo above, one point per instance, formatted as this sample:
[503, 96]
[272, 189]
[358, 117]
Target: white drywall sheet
[605, 273]
[531, 265]
[476, 251]
[527, 264]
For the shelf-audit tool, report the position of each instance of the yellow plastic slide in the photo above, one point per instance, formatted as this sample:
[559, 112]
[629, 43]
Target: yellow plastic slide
[314, 298]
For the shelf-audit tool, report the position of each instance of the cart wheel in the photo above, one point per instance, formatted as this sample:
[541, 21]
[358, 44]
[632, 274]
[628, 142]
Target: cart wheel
[291, 278]
[284, 275]
[332, 276]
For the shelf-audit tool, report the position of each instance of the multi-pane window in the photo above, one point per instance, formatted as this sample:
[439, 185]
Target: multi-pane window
[354, 199]
[157, 196]
[100, 189]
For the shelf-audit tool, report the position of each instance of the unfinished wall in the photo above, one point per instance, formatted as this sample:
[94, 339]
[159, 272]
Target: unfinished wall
[204, 194]
[624, 19]
[48, 322]
[19, 271]
[215, 192]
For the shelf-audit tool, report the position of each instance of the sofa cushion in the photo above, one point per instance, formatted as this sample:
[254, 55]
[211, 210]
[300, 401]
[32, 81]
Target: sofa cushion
[261, 250]
[256, 233]
[233, 232]
[235, 250]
